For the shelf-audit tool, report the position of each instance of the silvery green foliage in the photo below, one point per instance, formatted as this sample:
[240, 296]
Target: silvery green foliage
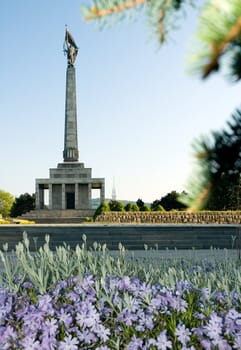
[45, 267]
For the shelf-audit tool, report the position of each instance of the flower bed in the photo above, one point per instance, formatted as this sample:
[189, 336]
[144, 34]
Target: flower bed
[83, 299]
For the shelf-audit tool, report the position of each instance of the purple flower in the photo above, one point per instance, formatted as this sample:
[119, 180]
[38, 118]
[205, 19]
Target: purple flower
[27, 285]
[237, 342]
[206, 344]
[65, 318]
[135, 343]
[221, 344]
[69, 343]
[45, 303]
[214, 327]
[50, 327]
[87, 315]
[205, 293]
[48, 343]
[125, 283]
[162, 343]
[102, 332]
[8, 337]
[183, 334]
[30, 344]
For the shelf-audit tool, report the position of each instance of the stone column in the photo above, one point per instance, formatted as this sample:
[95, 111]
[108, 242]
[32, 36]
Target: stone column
[76, 190]
[41, 198]
[50, 196]
[102, 193]
[63, 197]
[71, 153]
[37, 199]
[89, 196]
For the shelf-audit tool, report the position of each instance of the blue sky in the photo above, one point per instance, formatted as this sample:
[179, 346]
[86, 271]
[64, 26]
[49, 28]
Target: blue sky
[138, 109]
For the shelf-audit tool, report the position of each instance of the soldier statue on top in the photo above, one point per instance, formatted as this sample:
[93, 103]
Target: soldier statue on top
[70, 48]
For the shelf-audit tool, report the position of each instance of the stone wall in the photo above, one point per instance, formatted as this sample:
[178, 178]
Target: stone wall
[204, 217]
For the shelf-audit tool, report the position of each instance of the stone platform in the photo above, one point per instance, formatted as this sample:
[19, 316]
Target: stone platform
[45, 216]
[133, 237]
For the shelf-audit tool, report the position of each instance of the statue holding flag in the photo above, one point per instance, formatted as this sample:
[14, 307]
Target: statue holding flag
[70, 48]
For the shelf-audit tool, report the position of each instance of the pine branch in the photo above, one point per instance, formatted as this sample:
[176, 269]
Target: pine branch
[161, 14]
[218, 50]
[200, 201]
[219, 34]
[97, 12]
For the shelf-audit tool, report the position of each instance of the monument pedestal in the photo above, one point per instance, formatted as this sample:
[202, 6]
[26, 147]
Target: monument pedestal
[69, 187]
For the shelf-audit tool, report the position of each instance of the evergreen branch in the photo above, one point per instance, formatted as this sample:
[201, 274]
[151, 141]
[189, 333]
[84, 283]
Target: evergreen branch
[200, 201]
[218, 50]
[219, 33]
[96, 12]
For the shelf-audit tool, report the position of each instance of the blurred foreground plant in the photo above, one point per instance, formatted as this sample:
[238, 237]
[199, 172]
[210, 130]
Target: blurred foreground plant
[216, 185]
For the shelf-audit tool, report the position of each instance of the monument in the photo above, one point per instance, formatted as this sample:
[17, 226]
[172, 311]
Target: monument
[69, 186]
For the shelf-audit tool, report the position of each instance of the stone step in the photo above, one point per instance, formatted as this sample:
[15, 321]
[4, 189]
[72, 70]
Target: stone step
[58, 216]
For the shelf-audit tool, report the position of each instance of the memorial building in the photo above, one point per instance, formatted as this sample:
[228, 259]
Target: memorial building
[70, 185]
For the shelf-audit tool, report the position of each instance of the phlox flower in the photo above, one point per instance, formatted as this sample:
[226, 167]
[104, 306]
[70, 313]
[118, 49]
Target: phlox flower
[30, 344]
[135, 343]
[179, 304]
[72, 296]
[145, 320]
[221, 344]
[87, 337]
[8, 336]
[45, 303]
[206, 344]
[69, 343]
[102, 332]
[183, 334]
[205, 292]
[214, 327]
[50, 327]
[183, 286]
[124, 283]
[47, 342]
[87, 285]
[102, 347]
[32, 322]
[232, 322]
[237, 342]
[65, 318]
[162, 343]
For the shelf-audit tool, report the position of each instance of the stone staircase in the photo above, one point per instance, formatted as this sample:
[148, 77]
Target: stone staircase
[45, 216]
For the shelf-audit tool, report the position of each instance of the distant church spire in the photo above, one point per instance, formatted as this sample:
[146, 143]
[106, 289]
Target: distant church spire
[113, 195]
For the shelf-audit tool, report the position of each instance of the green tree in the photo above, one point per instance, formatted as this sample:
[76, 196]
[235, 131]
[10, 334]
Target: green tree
[172, 201]
[156, 205]
[103, 207]
[131, 207]
[24, 203]
[140, 203]
[142, 206]
[6, 202]
[116, 206]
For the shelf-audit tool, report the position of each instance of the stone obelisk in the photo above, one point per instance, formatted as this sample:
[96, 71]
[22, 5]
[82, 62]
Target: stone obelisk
[70, 153]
